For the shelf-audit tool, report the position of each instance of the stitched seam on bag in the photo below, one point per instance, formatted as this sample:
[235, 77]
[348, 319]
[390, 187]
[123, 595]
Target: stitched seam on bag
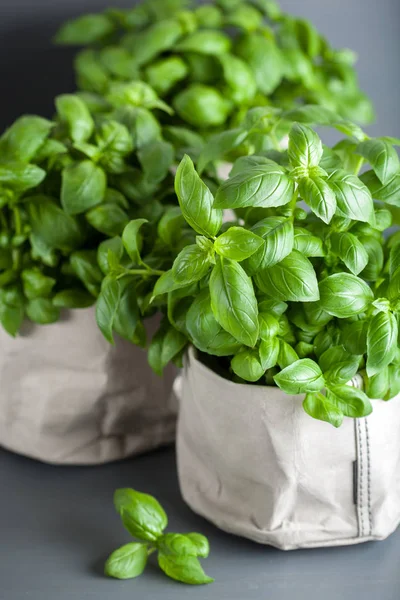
[369, 477]
[361, 479]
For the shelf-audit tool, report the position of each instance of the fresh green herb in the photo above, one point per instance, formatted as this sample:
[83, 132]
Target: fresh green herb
[177, 554]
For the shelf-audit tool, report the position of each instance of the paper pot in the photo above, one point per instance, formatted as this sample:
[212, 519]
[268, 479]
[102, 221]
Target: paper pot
[255, 464]
[68, 397]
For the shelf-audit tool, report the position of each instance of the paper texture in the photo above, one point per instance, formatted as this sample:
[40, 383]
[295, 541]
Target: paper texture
[254, 463]
[68, 397]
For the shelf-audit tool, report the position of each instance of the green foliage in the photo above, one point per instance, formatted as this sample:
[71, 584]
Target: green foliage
[145, 520]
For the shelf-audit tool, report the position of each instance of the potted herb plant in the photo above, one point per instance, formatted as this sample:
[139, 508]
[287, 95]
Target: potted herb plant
[286, 314]
[213, 62]
[68, 188]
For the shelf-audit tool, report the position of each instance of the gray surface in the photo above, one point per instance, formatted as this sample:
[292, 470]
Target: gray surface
[58, 525]
[32, 72]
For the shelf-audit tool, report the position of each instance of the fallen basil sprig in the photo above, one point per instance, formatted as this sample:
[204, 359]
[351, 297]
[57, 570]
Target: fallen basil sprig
[280, 295]
[177, 554]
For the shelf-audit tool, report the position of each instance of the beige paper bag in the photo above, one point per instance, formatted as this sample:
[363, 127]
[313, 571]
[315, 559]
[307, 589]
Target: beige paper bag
[67, 396]
[254, 463]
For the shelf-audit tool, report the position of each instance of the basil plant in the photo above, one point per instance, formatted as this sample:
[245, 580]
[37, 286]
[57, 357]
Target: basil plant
[213, 62]
[281, 275]
[68, 187]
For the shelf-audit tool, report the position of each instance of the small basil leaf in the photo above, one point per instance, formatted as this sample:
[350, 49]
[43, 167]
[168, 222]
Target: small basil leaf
[237, 243]
[74, 112]
[127, 562]
[269, 325]
[319, 197]
[239, 78]
[381, 342]
[165, 284]
[196, 200]
[84, 265]
[85, 30]
[350, 401]
[186, 569]
[127, 318]
[381, 156]
[177, 544]
[344, 295]
[42, 311]
[309, 245]
[388, 192]
[318, 407]
[354, 337]
[36, 284]
[73, 298]
[107, 306]
[264, 58]
[141, 514]
[300, 377]
[246, 365]
[205, 42]
[21, 177]
[277, 233]
[170, 226]
[115, 245]
[154, 40]
[338, 366]
[191, 265]
[205, 331]
[292, 279]
[200, 542]
[353, 198]
[269, 353]
[265, 187]
[305, 147]
[202, 106]
[233, 301]
[156, 159]
[377, 386]
[107, 218]
[350, 250]
[83, 186]
[131, 239]
[165, 345]
[164, 74]
[22, 141]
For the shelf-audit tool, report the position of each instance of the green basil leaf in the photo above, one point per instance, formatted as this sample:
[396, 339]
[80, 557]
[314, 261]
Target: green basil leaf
[293, 279]
[354, 337]
[233, 301]
[269, 325]
[206, 333]
[353, 198]
[311, 114]
[154, 40]
[243, 163]
[338, 366]
[177, 544]
[141, 123]
[394, 381]
[186, 569]
[394, 259]
[245, 17]
[344, 295]
[287, 355]
[205, 42]
[319, 197]
[165, 284]
[83, 186]
[156, 159]
[277, 233]
[107, 306]
[192, 264]
[388, 192]
[196, 200]
[36, 284]
[239, 78]
[119, 62]
[84, 265]
[237, 244]
[141, 514]
[127, 562]
[131, 239]
[266, 186]
[202, 106]
[107, 218]
[114, 142]
[350, 250]
[201, 544]
[305, 147]
[127, 317]
[276, 307]
[115, 246]
[269, 353]
[264, 59]
[184, 140]
[22, 141]
[91, 75]
[165, 345]
[300, 377]
[219, 145]
[21, 177]
[170, 226]
[246, 365]
[381, 342]
[377, 386]
[374, 250]
[381, 156]
[74, 112]
[318, 407]
[350, 401]
[164, 74]
[12, 310]
[42, 311]
[52, 226]
[73, 298]
[85, 30]
[309, 245]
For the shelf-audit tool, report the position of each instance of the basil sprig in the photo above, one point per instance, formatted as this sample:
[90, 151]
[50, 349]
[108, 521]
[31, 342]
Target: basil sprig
[177, 554]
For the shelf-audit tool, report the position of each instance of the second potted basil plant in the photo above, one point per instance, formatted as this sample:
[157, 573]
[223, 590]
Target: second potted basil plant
[288, 319]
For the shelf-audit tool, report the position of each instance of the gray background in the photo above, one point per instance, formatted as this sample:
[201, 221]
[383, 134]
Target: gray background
[58, 525]
[32, 72]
